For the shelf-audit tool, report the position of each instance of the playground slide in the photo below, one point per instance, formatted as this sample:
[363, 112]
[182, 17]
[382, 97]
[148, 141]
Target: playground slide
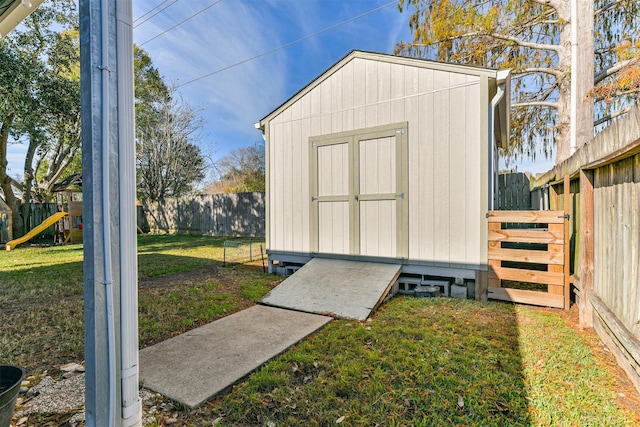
[39, 229]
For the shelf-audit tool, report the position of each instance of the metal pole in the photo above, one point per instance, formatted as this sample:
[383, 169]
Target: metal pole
[106, 67]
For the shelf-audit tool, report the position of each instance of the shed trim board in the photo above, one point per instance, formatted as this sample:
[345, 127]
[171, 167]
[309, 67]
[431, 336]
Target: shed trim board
[389, 158]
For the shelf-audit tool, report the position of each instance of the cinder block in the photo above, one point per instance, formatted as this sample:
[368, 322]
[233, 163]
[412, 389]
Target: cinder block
[427, 291]
[471, 289]
[407, 285]
[440, 284]
[458, 291]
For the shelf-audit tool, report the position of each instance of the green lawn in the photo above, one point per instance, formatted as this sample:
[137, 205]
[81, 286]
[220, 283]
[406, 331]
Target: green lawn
[416, 362]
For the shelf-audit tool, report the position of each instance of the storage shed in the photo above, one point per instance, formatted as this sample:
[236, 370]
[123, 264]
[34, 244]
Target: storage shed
[386, 159]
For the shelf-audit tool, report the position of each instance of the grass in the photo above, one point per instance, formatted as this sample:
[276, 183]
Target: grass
[416, 362]
[182, 285]
[433, 362]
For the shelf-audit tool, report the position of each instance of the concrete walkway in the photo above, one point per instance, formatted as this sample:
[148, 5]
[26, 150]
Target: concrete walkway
[195, 366]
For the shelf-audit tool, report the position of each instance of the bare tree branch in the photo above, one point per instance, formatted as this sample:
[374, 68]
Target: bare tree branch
[608, 6]
[551, 3]
[535, 104]
[524, 43]
[611, 70]
[534, 70]
[612, 116]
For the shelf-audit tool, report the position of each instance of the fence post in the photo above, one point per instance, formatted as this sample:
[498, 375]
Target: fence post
[224, 254]
[586, 248]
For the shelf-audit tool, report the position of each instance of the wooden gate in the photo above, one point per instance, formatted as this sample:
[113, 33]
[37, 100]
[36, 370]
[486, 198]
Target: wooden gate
[529, 265]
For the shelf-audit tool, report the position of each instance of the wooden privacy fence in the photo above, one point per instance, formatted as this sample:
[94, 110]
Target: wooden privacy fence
[520, 257]
[513, 191]
[238, 214]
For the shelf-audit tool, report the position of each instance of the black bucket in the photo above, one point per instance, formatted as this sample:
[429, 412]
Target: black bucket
[10, 381]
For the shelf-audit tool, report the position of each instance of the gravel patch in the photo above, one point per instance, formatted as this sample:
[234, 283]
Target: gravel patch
[66, 396]
[54, 397]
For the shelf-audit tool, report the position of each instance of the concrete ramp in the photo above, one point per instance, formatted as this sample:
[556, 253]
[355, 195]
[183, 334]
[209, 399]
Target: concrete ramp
[193, 367]
[346, 289]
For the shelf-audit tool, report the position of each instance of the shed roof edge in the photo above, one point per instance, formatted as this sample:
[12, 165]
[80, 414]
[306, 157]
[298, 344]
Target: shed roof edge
[403, 60]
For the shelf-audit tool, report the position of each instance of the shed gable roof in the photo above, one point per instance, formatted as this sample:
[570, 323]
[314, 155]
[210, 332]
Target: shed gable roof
[503, 115]
[12, 12]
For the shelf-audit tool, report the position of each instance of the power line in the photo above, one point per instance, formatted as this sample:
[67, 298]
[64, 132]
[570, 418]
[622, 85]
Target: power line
[149, 11]
[288, 44]
[181, 22]
[160, 11]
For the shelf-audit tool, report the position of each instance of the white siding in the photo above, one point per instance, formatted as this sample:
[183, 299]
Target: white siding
[444, 143]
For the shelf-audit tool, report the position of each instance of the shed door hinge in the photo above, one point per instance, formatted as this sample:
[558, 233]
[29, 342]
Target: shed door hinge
[565, 216]
[400, 131]
[314, 144]
[313, 199]
[400, 196]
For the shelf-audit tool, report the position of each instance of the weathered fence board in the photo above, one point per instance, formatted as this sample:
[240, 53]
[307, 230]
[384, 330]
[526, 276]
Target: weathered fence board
[513, 191]
[240, 214]
[38, 213]
[605, 241]
[617, 239]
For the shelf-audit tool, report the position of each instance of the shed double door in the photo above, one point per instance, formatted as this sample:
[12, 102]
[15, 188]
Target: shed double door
[359, 193]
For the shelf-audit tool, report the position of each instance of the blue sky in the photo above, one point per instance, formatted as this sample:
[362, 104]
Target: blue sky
[230, 32]
[233, 31]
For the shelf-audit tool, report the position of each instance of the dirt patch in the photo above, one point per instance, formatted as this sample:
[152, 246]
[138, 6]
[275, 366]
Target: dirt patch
[183, 278]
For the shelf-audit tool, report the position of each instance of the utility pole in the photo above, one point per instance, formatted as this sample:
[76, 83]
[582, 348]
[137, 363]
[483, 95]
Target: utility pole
[109, 214]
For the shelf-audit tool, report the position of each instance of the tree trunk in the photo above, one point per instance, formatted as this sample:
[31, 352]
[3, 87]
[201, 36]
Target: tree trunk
[27, 183]
[563, 137]
[5, 180]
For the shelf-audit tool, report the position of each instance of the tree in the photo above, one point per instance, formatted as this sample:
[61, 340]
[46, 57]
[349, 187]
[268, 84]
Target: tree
[59, 155]
[533, 38]
[242, 170]
[169, 163]
[33, 92]
[150, 92]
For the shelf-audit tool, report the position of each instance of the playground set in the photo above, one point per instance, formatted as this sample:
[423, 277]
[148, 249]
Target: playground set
[67, 221]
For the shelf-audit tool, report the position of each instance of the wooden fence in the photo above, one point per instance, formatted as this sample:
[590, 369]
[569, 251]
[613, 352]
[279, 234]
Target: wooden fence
[38, 212]
[514, 192]
[604, 199]
[241, 214]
